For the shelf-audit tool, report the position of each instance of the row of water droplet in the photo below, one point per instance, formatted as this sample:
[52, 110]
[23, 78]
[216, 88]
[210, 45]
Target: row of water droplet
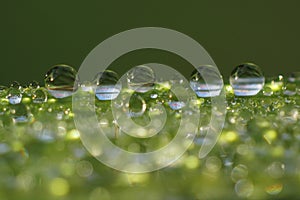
[61, 81]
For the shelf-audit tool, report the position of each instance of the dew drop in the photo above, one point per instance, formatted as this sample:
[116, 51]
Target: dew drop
[39, 96]
[141, 79]
[239, 172]
[16, 85]
[247, 79]
[208, 86]
[108, 87]
[60, 80]
[19, 113]
[176, 105]
[294, 77]
[3, 91]
[137, 106]
[290, 89]
[267, 91]
[275, 83]
[244, 188]
[34, 85]
[14, 96]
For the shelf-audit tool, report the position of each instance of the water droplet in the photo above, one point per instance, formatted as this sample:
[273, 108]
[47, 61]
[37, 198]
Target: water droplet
[141, 78]
[208, 86]
[244, 188]
[267, 91]
[19, 113]
[275, 83]
[60, 80]
[247, 79]
[34, 85]
[14, 96]
[3, 91]
[137, 106]
[294, 77]
[176, 105]
[108, 87]
[239, 172]
[290, 89]
[39, 96]
[276, 170]
[16, 85]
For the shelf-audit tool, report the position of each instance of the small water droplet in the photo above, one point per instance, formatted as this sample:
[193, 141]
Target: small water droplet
[108, 87]
[3, 91]
[247, 79]
[137, 106]
[16, 85]
[34, 85]
[294, 77]
[39, 96]
[60, 80]
[267, 91]
[290, 89]
[244, 188]
[19, 113]
[239, 172]
[208, 86]
[176, 105]
[141, 78]
[14, 96]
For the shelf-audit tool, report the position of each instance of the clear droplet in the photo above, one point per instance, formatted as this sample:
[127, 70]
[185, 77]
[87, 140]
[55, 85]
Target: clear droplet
[16, 85]
[19, 113]
[244, 188]
[108, 87]
[208, 86]
[14, 96]
[247, 79]
[137, 106]
[176, 105]
[34, 85]
[290, 89]
[294, 77]
[267, 91]
[39, 96]
[275, 83]
[239, 172]
[60, 80]
[141, 78]
[3, 91]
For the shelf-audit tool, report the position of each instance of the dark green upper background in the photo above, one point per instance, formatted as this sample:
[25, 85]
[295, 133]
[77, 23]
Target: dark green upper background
[38, 34]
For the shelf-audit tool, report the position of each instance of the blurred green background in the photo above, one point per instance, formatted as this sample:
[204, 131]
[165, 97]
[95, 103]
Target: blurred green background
[38, 34]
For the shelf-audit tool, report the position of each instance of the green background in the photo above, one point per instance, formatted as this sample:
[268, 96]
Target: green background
[38, 34]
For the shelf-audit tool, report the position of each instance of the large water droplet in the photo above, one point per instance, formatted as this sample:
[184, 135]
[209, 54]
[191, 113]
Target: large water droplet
[14, 96]
[59, 81]
[208, 86]
[108, 87]
[247, 79]
[141, 78]
[39, 95]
